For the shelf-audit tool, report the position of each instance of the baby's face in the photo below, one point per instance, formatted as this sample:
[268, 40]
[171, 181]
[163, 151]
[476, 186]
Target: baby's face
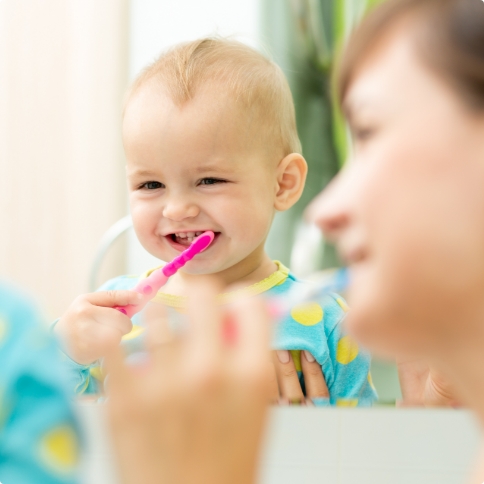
[195, 168]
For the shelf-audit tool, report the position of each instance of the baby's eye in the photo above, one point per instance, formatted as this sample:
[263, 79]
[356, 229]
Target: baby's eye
[211, 181]
[152, 185]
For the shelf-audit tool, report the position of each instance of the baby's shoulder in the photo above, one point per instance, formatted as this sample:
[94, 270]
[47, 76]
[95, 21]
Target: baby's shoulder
[329, 308]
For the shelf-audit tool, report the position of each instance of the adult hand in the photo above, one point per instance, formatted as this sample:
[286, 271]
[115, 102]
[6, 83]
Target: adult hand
[90, 324]
[423, 385]
[194, 412]
[285, 382]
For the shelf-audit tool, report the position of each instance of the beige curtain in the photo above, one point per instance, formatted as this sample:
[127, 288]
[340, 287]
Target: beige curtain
[63, 71]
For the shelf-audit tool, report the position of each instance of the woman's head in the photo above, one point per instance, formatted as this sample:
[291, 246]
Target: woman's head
[448, 37]
[407, 212]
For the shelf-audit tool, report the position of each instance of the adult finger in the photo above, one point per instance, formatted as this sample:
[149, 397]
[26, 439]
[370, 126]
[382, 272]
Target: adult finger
[273, 385]
[158, 328]
[111, 299]
[253, 331]
[413, 374]
[287, 377]
[314, 380]
[162, 344]
[439, 392]
[204, 337]
[120, 376]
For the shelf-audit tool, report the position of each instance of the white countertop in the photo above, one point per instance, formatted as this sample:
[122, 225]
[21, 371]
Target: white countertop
[336, 446]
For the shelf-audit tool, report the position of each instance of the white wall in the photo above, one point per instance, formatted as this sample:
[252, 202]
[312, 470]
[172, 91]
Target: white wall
[158, 24]
[63, 73]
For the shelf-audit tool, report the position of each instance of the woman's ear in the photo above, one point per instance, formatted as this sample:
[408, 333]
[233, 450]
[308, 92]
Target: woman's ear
[291, 177]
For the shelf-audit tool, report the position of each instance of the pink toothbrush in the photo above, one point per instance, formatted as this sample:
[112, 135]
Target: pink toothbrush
[150, 286]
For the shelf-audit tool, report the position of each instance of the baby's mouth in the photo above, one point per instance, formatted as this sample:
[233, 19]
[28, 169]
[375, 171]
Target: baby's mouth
[185, 238]
[181, 240]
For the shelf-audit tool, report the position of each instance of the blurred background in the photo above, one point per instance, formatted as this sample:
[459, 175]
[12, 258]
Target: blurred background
[64, 67]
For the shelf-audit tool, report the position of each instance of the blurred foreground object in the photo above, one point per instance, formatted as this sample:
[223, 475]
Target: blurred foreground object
[38, 436]
[194, 412]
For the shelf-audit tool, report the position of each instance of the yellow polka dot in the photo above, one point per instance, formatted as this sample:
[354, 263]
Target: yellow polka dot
[296, 357]
[3, 329]
[342, 304]
[307, 314]
[370, 381]
[347, 350]
[59, 449]
[347, 402]
[134, 333]
[97, 373]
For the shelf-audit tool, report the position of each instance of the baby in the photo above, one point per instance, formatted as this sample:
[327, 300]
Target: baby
[211, 143]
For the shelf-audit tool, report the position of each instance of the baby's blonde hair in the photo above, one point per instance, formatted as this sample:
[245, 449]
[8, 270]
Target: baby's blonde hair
[252, 80]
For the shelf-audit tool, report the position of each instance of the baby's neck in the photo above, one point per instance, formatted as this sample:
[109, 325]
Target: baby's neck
[249, 271]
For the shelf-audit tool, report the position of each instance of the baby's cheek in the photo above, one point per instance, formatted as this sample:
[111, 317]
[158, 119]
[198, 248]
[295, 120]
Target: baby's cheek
[255, 228]
[149, 238]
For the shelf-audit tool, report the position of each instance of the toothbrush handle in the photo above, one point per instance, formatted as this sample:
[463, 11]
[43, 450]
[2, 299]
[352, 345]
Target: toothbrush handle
[148, 287]
[179, 261]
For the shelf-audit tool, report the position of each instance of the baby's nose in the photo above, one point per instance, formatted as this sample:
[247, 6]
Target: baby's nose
[178, 209]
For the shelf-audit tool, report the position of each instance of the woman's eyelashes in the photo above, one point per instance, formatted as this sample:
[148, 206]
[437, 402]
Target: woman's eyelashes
[362, 134]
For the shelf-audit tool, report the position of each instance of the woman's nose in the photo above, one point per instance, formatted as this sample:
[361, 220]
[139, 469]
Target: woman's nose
[178, 209]
[330, 211]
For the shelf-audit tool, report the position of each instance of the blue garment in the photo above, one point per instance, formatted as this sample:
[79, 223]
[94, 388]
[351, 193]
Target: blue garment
[38, 435]
[315, 327]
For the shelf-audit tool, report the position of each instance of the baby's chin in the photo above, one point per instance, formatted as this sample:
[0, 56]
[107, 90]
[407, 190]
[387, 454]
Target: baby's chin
[204, 266]
[199, 271]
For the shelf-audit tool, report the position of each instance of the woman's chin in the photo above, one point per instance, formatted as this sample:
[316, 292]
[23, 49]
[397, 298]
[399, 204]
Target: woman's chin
[361, 282]
[368, 318]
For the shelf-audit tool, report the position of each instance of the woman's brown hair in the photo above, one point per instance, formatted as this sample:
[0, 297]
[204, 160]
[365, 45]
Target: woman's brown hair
[449, 37]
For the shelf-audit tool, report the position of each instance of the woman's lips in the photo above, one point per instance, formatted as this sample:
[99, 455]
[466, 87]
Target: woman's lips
[354, 256]
[180, 244]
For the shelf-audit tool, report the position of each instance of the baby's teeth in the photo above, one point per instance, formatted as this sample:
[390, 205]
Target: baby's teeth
[197, 234]
[190, 239]
[190, 235]
[182, 235]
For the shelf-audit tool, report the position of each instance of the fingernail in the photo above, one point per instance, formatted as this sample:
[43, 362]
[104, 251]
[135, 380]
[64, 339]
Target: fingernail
[283, 356]
[309, 356]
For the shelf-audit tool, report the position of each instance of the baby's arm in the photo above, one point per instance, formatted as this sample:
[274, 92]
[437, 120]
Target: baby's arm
[89, 326]
[352, 384]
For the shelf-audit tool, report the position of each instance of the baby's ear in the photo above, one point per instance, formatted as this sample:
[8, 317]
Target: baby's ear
[291, 177]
